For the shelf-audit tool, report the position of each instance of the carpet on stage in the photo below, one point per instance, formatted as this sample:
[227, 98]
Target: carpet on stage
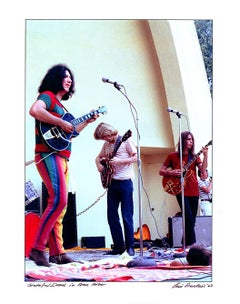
[94, 265]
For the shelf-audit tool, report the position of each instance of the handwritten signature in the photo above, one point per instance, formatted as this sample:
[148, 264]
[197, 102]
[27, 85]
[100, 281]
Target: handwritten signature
[192, 285]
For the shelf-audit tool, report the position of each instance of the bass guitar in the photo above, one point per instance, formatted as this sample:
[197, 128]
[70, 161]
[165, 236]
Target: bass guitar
[57, 139]
[107, 172]
[172, 184]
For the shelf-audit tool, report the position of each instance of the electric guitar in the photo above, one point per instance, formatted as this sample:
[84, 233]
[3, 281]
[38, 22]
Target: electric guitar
[172, 184]
[107, 172]
[57, 139]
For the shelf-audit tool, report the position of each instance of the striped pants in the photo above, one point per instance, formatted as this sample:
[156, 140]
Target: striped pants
[54, 173]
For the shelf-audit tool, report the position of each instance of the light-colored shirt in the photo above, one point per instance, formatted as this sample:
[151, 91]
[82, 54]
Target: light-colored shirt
[127, 149]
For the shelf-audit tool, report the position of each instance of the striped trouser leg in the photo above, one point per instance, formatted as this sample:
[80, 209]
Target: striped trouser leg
[54, 173]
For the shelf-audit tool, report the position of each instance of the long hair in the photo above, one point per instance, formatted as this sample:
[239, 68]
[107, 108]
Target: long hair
[52, 81]
[184, 135]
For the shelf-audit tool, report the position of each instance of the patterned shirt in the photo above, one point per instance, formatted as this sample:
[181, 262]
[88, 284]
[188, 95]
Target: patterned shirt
[55, 108]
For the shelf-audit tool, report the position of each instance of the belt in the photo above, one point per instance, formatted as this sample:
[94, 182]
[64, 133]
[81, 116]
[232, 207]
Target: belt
[206, 200]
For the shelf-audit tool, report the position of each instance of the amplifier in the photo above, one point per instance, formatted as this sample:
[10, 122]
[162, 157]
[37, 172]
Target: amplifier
[69, 233]
[203, 230]
[33, 206]
[93, 242]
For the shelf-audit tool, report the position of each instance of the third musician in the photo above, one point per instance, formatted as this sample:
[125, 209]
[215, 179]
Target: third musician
[171, 170]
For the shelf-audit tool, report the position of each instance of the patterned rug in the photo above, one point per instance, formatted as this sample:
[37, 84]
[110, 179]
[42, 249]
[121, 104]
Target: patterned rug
[96, 266]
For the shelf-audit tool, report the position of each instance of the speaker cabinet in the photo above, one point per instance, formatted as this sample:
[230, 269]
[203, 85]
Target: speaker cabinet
[203, 230]
[33, 206]
[69, 221]
[93, 242]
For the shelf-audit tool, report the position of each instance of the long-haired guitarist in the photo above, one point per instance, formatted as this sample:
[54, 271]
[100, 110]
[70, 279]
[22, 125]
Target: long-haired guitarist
[56, 86]
[116, 157]
[171, 173]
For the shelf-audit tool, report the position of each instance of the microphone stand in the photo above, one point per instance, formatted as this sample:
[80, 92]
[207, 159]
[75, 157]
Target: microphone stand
[141, 261]
[182, 185]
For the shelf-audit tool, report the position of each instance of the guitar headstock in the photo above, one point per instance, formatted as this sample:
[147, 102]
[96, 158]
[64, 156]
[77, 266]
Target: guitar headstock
[209, 143]
[127, 135]
[101, 110]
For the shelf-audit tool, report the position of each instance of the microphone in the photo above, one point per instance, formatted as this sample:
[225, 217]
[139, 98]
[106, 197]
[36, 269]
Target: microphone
[174, 111]
[116, 85]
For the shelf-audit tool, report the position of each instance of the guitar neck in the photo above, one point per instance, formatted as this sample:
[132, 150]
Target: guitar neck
[195, 157]
[191, 161]
[77, 121]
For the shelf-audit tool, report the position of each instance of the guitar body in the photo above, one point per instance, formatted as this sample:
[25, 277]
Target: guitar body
[106, 174]
[54, 137]
[31, 226]
[58, 140]
[171, 185]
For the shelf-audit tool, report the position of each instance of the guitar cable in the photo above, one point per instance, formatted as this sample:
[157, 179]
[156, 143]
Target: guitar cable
[94, 203]
[164, 242]
[32, 162]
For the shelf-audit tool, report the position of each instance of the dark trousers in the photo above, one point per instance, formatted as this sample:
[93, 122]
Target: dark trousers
[120, 193]
[191, 208]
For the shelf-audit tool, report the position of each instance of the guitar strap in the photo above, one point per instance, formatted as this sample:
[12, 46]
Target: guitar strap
[64, 108]
[53, 96]
[116, 146]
